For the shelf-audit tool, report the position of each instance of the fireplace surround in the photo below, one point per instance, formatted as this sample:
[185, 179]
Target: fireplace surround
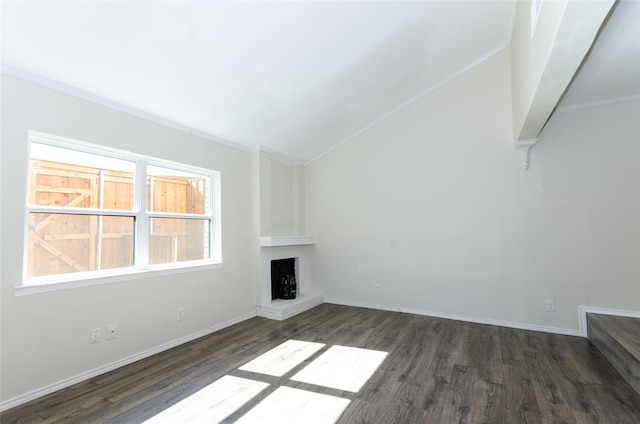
[307, 295]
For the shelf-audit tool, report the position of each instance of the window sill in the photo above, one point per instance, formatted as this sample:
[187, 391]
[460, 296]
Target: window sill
[43, 285]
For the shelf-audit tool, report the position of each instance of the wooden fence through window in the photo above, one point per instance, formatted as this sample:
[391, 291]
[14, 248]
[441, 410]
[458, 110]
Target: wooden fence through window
[63, 243]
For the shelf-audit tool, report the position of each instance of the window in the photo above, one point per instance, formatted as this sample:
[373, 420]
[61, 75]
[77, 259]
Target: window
[96, 212]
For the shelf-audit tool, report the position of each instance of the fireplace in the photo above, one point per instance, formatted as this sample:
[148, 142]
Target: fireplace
[293, 250]
[283, 279]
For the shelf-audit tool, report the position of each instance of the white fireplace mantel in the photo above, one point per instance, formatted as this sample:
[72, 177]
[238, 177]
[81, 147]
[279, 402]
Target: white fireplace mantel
[277, 241]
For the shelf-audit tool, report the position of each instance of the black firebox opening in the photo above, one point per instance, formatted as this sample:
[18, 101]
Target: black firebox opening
[283, 279]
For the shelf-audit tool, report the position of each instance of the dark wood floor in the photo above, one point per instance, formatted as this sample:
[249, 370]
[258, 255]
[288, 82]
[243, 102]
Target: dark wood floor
[437, 371]
[618, 338]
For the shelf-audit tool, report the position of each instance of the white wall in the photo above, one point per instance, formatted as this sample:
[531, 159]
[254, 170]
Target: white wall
[434, 205]
[281, 199]
[45, 337]
[589, 169]
[281, 190]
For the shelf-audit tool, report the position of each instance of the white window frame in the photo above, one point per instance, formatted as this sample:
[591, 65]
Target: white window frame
[141, 267]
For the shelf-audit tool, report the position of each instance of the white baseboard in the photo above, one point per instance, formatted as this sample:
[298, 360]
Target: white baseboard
[509, 324]
[582, 332]
[584, 310]
[117, 364]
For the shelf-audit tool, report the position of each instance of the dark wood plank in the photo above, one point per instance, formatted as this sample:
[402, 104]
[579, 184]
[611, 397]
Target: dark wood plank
[436, 371]
[25, 418]
[362, 412]
[618, 338]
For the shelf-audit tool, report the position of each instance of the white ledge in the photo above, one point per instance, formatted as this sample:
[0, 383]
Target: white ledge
[280, 310]
[274, 241]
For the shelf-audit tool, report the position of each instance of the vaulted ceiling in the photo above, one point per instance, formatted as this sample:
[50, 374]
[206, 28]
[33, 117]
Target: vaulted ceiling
[611, 71]
[296, 78]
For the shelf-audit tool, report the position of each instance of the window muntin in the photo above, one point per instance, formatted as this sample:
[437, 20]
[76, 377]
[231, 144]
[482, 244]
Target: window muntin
[89, 213]
[68, 243]
[66, 178]
[175, 191]
[176, 202]
[174, 240]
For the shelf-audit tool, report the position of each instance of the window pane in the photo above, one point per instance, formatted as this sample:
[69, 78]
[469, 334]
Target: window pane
[65, 177]
[177, 240]
[176, 191]
[64, 243]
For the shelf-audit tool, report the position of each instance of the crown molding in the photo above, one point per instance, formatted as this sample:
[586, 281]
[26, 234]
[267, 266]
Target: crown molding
[23, 75]
[599, 103]
[277, 156]
[412, 100]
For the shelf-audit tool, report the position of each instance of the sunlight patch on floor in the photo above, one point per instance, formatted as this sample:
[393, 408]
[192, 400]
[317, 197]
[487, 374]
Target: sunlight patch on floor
[283, 358]
[293, 406]
[212, 404]
[342, 368]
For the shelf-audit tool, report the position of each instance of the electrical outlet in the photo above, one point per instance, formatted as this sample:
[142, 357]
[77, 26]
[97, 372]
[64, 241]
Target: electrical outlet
[179, 314]
[95, 335]
[378, 288]
[551, 305]
[112, 331]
